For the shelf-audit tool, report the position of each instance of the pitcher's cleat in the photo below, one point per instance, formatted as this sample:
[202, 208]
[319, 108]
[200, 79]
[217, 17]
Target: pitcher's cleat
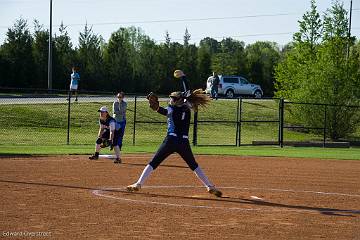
[213, 190]
[117, 161]
[133, 187]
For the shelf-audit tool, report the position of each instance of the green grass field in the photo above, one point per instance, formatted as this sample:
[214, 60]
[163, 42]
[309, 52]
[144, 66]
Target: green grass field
[42, 129]
[264, 151]
[46, 124]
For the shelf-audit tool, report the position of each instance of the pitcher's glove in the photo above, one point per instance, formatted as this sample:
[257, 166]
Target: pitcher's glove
[153, 101]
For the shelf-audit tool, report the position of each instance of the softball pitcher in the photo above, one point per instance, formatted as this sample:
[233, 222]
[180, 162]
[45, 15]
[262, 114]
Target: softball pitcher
[177, 140]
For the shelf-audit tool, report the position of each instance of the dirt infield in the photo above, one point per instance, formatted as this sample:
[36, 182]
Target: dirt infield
[70, 197]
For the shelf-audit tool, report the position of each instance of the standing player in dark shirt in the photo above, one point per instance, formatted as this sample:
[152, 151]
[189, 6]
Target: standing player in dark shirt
[215, 86]
[177, 140]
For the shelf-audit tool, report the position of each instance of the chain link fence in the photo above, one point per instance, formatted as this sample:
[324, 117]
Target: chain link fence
[53, 120]
[314, 124]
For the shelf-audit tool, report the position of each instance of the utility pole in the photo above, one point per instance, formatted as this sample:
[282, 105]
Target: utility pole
[50, 51]
[349, 33]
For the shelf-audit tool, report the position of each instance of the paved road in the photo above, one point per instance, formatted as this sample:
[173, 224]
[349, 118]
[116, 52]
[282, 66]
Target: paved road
[82, 99]
[47, 100]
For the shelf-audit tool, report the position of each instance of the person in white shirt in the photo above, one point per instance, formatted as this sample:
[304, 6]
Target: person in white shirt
[74, 83]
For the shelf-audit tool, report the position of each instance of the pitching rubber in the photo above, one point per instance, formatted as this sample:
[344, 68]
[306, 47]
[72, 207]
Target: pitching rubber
[107, 156]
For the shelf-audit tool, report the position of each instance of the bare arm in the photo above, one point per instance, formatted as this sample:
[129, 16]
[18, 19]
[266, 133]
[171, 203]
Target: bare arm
[101, 130]
[116, 107]
[112, 130]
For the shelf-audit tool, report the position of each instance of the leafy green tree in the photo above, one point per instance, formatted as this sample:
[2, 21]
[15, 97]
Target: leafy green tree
[17, 52]
[223, 63]
[144, 60]
[90, 61]
[211, 44]
[336, 22]
[286, 49]
[40, 51]
[119, 59]
[240, 59]
[310, 28]
[204, 63]
[296, 68]
[321, 72]
[64, 58]
[262, 58]
[188, 61]
[355, 53]
[5, 74]
[208, 47]
[338, 73]
[229, 61]
[168, 59]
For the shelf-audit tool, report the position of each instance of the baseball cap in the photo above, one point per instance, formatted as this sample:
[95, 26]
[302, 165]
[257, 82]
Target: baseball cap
[103, 109]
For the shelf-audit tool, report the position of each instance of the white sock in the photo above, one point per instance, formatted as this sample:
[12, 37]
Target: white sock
[201, 175]
[145, 174]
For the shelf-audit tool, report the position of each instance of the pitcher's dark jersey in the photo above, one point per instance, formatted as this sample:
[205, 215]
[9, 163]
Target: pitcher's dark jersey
[177, 139]
[178, 120]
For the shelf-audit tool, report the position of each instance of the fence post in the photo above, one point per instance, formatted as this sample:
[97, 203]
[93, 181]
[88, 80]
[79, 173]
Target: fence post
[68, 122]
[134, 123]
[325, 123]
[195, 128]
[281, 122]
[238, 127]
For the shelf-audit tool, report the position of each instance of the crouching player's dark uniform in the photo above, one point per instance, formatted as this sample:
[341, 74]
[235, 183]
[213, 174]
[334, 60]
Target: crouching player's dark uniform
[107, 126]
[108, 135]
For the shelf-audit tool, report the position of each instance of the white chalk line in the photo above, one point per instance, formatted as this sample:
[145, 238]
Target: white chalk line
[295, 191]
[99, 193]
[262, 189]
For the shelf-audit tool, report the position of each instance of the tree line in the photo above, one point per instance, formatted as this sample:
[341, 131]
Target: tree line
[323, 66]
[133, 62]
[129, 60]
[320, 65]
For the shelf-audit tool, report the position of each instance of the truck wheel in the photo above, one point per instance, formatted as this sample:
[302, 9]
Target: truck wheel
[229, 94]
[257, 94]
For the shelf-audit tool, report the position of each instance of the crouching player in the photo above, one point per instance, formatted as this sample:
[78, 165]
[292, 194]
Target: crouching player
[107, 136]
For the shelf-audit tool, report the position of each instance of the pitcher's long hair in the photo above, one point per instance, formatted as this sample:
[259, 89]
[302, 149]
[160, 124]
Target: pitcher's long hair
[197, 99]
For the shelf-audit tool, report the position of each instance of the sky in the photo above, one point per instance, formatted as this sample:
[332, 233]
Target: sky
[248, 21]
